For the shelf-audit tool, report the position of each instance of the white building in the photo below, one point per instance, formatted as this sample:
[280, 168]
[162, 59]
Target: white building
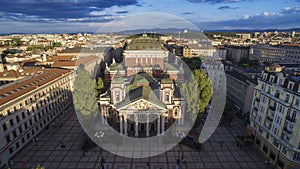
[27, 106]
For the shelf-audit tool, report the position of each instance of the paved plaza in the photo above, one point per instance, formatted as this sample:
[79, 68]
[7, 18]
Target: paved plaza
[49, 153]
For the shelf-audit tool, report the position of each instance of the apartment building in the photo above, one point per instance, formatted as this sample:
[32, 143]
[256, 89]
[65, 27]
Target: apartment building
[240, 90]
[27, 106]
[275, 118]
[276, 54]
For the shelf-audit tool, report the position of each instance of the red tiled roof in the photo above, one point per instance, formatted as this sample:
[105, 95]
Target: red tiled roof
[14, 91]
[85, 60]
[63, 64]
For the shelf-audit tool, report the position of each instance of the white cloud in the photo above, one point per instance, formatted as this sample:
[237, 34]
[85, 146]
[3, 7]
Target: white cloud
[266, 14]
[246, 17]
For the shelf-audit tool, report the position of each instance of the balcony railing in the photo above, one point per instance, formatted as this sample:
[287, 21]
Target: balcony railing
[287, 130]
[291, 119]
[269, 117]
[272, 107]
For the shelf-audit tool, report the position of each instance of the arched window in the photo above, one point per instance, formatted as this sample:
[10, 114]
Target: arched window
[175, 114]
[277, 94]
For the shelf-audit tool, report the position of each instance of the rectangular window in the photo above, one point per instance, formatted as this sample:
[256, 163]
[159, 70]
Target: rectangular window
[7, 139]
[11, 150]
[14, 133]
[117, 96]
[23, 115]
[265, 149]
[11, 122]
[287, 98]
[18, 118]
[297, 102]
[4, 127]
[296, 156]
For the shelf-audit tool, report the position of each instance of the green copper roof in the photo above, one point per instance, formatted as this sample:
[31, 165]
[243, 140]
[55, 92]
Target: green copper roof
[144, 43]
[143, 86]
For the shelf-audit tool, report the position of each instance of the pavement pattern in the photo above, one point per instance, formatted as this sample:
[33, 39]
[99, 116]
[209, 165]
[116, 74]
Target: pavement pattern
[49, 153]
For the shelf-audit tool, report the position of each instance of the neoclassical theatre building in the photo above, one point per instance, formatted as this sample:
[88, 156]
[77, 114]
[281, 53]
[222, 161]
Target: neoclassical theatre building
[144, 97]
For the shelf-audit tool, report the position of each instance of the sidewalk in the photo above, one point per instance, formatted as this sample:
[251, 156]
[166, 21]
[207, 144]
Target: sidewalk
[47, 152]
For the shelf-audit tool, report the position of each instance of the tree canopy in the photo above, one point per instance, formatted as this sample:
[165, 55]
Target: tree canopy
[99, 86]
[84, 99]
[204, 88]
[197, 100]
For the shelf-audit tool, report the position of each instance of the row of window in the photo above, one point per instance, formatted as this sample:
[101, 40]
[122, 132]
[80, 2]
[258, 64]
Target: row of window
[30, 111]
[33, 131]
[54, 90]
[27, 124]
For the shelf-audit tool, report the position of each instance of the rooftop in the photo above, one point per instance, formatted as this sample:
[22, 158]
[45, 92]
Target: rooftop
[144, 43]
[19, 88]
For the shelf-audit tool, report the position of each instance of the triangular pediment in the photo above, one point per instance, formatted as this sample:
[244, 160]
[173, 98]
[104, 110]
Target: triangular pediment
[142, 105]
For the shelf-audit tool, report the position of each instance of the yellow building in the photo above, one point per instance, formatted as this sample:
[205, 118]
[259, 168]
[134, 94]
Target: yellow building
[275, 118]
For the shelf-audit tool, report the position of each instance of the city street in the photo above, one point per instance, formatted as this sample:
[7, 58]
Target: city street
[60, 147]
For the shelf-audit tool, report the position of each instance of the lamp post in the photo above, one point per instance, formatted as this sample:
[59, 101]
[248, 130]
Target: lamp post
[180, 135]
[100, 135]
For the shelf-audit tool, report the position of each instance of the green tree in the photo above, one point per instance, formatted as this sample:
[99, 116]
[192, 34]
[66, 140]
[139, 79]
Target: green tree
[57, 44]
[192, 98]
[204, 88]
[84, 98]
[197, 100]
[99, 86]
[40, 167]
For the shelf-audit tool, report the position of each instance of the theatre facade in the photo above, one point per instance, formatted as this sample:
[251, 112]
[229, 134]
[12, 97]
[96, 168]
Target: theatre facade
[144, 98]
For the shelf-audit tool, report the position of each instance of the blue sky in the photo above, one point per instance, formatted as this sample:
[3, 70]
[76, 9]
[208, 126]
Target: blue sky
[35, 16]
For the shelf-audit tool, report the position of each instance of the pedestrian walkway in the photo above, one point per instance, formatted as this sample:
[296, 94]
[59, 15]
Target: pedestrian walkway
[49, 152]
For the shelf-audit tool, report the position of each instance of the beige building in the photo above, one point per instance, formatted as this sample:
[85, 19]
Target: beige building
[275, 118]
[276, 54]
[27, 106]
[195, 50]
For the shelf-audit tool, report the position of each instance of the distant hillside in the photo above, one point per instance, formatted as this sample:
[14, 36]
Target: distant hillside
[256, 30]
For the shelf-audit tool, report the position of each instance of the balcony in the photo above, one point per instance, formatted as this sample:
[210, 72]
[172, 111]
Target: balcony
[287, 130]
[291, 119]
[269, 117]
[272, 107]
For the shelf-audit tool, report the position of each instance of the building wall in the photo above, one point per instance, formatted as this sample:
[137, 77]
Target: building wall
[235, 53]
[239, 91]
[25, 116]
[275, 54]
[274, 119]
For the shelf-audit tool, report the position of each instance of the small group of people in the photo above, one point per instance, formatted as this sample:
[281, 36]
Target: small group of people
[180, 162]
[103, 164]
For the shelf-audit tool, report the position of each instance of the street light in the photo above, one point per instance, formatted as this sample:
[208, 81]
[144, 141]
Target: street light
[100, 135]
[180, 135]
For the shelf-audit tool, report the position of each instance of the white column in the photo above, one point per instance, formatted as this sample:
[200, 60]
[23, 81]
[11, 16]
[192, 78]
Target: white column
[147, 126]
[182, 110]
[136, 126]
[158, 124]
[125, 125]
[179, 116]
[106, 114]
[102, 115]
[121, 124]
[163, 124]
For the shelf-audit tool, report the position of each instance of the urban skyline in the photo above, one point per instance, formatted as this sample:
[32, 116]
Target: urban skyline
[65, 16]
